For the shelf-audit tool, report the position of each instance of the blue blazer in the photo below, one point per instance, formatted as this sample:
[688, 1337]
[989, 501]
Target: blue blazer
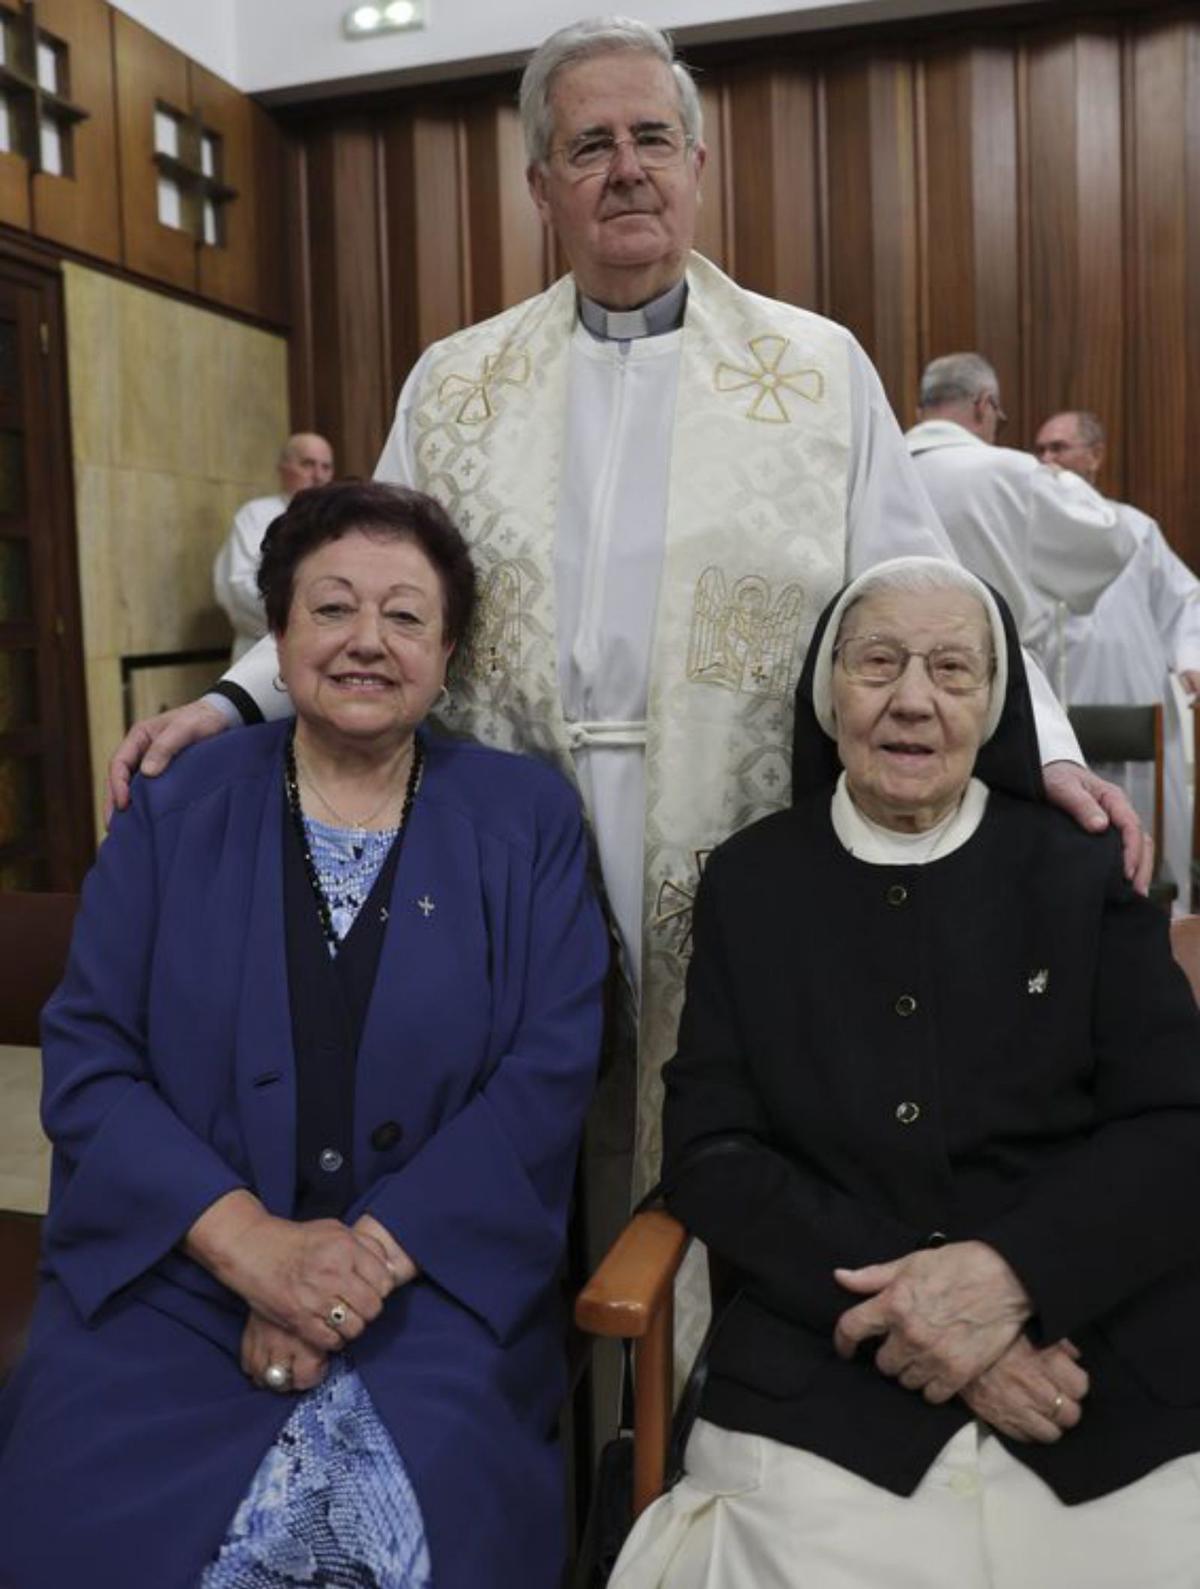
[170, 1080]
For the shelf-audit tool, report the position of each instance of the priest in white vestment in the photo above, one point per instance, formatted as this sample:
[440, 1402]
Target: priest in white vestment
[1145, 626]
[1040, 536]
[663, 478]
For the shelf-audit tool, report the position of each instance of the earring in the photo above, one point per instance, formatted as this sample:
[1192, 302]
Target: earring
[278, 684]
[443, 698]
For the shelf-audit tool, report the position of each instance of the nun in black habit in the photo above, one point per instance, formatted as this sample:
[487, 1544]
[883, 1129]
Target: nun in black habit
[963, 1075]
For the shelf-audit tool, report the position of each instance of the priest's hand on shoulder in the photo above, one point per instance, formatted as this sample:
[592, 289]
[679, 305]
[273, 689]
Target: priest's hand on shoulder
[1095, 804]
[153, 743]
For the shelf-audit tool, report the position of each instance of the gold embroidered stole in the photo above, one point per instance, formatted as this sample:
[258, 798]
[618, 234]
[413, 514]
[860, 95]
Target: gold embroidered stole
[488, 437]
[755, 547]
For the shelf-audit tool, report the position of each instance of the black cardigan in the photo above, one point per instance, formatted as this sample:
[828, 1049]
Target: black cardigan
[996, 1045]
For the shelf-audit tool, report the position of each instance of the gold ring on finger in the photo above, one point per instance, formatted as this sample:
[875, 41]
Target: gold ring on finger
[338, 1314]
[1057, 1408]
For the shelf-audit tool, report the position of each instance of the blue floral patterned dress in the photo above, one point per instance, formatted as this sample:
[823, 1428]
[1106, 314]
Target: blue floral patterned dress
[331, 1506]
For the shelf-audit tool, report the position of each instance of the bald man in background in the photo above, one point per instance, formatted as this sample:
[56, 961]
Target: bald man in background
[304, 460]
[1145, 625]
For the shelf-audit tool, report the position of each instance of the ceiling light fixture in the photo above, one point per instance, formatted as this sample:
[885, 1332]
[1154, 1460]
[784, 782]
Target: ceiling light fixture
[397, 16]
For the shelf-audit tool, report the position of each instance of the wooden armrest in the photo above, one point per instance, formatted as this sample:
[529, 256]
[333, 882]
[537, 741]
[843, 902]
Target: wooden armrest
[634, 1279]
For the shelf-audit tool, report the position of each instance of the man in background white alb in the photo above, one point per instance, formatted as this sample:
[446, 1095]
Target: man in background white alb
[304, 460]
[1145, 625]
[1041, 536]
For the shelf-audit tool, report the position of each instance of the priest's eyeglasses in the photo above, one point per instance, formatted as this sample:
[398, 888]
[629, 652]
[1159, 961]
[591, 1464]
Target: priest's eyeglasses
[654, 147]
[876, 659]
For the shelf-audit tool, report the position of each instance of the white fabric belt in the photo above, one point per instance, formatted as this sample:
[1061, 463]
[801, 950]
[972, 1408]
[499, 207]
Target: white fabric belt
[580, 736]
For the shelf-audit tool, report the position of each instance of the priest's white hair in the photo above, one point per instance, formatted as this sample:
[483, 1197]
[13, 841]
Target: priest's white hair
[957, 377]
[583, 41]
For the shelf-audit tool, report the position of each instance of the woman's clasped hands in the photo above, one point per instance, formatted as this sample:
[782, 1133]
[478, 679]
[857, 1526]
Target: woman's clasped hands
[311, 1286]
[951, 1323]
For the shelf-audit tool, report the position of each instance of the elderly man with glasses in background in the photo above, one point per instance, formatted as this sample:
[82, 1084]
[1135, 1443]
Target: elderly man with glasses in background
[664, 478]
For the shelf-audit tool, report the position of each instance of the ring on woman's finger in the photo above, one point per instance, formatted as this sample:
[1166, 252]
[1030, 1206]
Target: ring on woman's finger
[1059, 1400]
[278, 1376]
[338, 1314]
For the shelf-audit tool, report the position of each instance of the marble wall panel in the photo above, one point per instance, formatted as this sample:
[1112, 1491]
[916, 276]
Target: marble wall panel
[106, 725]
[93, 532]
[24, 1151]
[177, 414]
[93, 364]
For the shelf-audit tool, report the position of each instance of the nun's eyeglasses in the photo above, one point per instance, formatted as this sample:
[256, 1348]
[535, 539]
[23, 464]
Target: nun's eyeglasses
[875, 659]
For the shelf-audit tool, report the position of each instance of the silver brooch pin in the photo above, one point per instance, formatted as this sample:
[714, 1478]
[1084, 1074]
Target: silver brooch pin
[1039, 981]
[426, 906]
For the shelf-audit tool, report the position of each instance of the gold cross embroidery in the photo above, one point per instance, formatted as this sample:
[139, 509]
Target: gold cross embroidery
[768, 406]
[674, 906]
[498, 369]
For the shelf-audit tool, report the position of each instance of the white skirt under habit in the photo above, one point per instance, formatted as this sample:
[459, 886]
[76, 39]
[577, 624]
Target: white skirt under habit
[754, 1514]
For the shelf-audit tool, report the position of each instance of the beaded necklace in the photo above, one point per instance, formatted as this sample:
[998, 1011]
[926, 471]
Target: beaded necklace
[292, 787]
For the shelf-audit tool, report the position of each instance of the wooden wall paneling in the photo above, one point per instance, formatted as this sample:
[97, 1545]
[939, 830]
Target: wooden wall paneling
[509, 254]
[713, 229]
[1163, 126]
[81, 209]
[298, 281]
[14, 176]
[426, 231]
[775, 187]
[848, 197]
[352, 392]
[872, 202]
[996, 218]
[246, 270]
[271, 155]
[894, 194]
[14, 190]
[228, 272]
[1074, 322]
[970, 277]
[148, 70]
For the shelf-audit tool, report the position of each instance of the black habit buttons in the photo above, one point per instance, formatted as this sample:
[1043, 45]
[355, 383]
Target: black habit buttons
[897, 894]
[386, 1136]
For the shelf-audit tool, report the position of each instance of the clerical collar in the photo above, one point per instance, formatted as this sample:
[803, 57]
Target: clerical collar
[623, 325]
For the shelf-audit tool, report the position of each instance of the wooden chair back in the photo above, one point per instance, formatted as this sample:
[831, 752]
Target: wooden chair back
[35, 934]
[1185, 946]
[1130, 733]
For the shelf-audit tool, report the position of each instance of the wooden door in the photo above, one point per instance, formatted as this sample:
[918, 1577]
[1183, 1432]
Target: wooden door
[46, 834]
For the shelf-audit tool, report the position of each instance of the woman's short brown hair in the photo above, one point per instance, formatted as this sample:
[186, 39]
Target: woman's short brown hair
[326, 513]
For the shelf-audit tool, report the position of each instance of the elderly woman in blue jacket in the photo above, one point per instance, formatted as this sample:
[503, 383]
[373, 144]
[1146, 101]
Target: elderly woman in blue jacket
[315, 1081]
